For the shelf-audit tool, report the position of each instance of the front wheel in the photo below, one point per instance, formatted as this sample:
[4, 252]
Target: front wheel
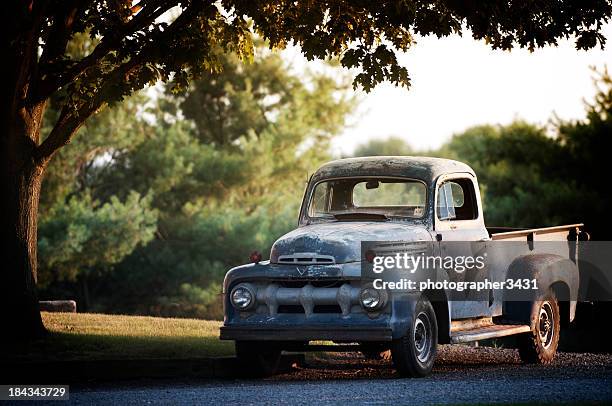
[414, 353]
[540, 345]
[259, 358]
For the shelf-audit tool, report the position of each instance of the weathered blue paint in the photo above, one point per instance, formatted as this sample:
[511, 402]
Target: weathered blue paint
[423, 168]
[341, 240]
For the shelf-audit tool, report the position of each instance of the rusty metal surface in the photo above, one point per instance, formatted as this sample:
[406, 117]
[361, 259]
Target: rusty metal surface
[417, 167]
[486, 332]
[560, 233]
[342, 240]
[471, 324]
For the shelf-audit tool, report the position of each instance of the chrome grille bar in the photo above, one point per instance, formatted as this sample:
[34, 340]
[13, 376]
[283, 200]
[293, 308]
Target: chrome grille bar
[308, 297]
[306, 258]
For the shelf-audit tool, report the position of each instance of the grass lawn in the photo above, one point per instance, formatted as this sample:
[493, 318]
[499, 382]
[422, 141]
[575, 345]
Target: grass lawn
[86, 336]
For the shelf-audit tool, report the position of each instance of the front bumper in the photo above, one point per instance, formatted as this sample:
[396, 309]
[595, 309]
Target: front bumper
[306, 333]
[288, 309]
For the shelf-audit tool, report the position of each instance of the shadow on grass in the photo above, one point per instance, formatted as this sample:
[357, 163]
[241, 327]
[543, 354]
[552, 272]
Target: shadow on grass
[67, 347]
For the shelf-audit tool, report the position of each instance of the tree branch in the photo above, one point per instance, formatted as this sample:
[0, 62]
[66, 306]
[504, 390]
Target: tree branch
[63, 131]
[145, 17]
[60, 31]
[56, 41]
[72, 117]
[22, 46]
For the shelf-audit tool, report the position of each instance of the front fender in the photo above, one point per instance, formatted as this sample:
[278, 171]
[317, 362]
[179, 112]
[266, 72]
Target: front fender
[403, 309]
[259, 269]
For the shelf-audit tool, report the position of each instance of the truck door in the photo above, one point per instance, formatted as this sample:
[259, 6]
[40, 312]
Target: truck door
[461, 233]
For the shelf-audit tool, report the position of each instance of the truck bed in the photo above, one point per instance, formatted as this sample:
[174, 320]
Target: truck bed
[556, 233]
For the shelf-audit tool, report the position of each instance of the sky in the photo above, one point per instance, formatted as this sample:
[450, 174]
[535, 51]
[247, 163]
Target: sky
[458, 82]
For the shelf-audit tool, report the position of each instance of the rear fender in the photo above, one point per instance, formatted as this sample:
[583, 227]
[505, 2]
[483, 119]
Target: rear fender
[550, 272]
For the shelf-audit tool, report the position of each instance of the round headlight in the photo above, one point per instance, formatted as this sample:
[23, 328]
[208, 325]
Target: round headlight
[242, 297]
[370, 299]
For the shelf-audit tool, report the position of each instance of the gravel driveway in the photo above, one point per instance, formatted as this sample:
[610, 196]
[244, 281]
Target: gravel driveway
[462, 375]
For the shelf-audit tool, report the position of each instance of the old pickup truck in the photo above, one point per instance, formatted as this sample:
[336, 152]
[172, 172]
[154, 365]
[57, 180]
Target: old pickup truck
[314, 289]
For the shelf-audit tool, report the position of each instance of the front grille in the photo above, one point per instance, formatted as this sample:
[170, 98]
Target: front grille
[306, 258]
[306, 297]
[321, 309]
[327, 309]
[290, 309]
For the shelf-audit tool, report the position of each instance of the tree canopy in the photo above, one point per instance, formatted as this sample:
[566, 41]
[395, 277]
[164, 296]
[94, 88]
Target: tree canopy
[139, 43]
[133, 44]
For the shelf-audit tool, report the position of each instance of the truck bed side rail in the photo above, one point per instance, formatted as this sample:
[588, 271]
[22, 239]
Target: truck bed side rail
[556, 233]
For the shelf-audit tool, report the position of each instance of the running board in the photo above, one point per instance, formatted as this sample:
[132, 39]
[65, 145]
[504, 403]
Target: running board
[486, 332]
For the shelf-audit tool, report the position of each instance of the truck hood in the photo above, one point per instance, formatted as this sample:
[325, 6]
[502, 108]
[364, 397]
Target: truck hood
[342, 240]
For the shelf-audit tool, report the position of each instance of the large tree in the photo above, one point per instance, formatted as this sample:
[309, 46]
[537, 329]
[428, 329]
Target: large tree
[141, 42]
[223, 165]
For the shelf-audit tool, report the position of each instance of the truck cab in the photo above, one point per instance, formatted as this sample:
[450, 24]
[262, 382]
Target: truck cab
[315, 286]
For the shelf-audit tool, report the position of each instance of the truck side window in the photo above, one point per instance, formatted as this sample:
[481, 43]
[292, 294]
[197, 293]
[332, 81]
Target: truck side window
[456, 200]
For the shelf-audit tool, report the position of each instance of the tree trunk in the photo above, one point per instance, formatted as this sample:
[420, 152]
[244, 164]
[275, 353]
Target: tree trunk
[22, 165]
[21, 181]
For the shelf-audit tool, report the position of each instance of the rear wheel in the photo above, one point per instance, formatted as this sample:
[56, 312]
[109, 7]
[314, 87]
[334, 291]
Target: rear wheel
[414, 353]
[259, 358]
[540, 345]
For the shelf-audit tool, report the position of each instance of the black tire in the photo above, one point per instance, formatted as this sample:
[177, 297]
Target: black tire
[258, 358]
[414, 354]
[540, 345]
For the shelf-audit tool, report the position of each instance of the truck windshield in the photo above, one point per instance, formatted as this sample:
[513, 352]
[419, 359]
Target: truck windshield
[368, 197]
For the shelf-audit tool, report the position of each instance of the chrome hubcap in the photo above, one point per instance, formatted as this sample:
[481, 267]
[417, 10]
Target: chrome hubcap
[546, 324]
[422, 337]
